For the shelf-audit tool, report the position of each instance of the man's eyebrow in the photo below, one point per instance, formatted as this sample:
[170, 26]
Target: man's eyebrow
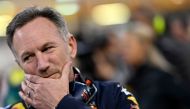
[47, 44]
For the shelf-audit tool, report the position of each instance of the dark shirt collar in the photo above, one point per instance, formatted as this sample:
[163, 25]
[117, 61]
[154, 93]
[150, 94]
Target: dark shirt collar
[77, 77]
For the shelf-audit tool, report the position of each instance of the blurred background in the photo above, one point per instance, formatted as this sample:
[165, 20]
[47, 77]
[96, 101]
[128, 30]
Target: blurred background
[143, 44]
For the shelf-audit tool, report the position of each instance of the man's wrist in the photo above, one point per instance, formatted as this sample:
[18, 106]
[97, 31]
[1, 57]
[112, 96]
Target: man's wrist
[61, 100]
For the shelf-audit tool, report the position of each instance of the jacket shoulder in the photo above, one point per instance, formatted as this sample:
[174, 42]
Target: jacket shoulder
[113, 96]
[111, 87]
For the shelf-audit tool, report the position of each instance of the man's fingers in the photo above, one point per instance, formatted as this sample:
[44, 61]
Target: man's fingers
[30, 85]
[34, 78]
[25, 97]
[24, 87]
[66, 69]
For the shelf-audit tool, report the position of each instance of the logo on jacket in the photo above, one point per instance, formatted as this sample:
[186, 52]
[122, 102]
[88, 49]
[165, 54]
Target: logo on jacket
[134, 104]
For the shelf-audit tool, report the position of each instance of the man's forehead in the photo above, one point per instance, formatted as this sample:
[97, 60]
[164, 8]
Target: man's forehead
[40, 25]
[35, 32]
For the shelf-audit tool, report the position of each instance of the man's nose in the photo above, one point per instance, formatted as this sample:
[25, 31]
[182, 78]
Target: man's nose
[42, 63]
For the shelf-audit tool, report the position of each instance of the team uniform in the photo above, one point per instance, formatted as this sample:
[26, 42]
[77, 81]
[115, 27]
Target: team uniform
[91, 95]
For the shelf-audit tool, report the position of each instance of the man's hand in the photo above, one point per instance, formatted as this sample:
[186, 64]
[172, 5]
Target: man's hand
[45, 93]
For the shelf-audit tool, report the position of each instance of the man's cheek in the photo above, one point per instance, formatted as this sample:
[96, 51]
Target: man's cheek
[30, 70]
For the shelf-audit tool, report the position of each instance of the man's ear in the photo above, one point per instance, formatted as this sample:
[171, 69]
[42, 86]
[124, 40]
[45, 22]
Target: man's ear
[72, 46]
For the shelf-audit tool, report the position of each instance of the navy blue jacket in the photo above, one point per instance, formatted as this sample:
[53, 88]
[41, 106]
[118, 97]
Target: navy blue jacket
[92, 95]
[109, 95]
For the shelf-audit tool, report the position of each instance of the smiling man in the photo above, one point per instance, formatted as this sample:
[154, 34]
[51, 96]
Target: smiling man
[44, 49]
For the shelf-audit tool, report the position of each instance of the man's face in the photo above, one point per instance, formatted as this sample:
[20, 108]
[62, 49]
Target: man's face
[40, 50]
[132, 49]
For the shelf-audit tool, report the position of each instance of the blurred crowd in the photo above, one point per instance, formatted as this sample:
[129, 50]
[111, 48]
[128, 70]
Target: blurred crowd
[154, 65]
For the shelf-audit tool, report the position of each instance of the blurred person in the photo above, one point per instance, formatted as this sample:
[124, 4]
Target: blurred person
[108, 64]
[175, 46]
[153, 87]
[44, 49]
[103, 57]
[3, 87]
[178, 29]
[143, 14]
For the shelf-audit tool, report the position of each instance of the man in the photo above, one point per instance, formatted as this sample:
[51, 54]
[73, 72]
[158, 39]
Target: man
[44, 49]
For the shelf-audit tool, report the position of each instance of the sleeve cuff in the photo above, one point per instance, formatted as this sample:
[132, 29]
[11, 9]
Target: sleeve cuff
[69, 102]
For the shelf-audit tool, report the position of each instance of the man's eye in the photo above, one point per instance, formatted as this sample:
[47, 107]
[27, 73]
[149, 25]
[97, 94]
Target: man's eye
[47, 49]
[27, 58]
